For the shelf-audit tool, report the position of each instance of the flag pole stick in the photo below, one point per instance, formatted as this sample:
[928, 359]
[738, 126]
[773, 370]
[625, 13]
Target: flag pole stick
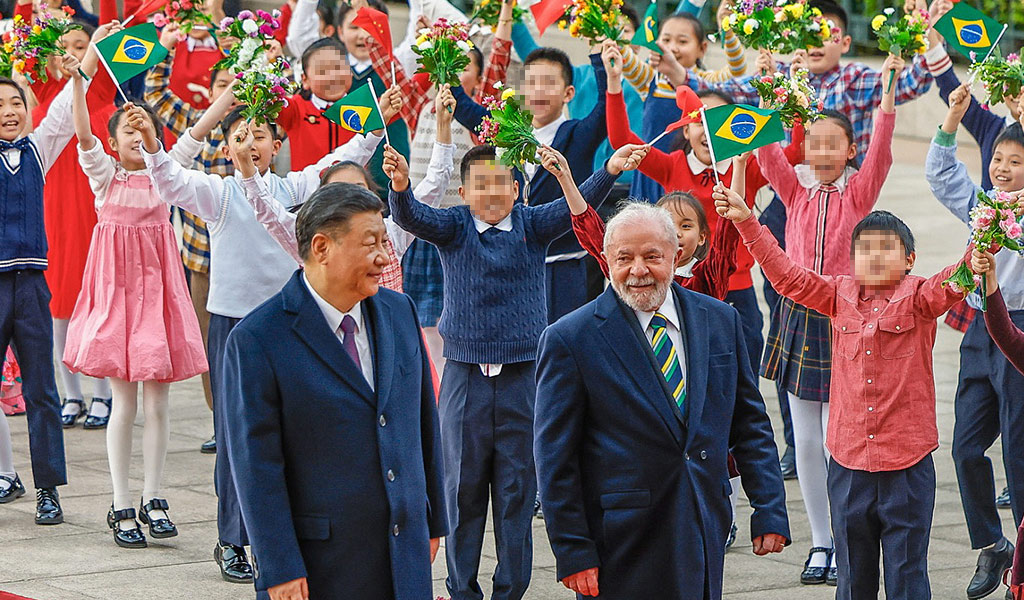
[995, 45]
[127, 21]
[103, 61]
[660, 135]
[373, 93]
[711, 146]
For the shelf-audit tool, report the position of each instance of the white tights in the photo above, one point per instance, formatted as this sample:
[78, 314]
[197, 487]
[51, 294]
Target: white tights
[72, 382]
[6, 452]
[810, 422]
[435, 346]
[155, 437]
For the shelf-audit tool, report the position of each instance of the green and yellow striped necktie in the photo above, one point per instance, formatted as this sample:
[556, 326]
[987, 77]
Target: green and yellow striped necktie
[667, 359]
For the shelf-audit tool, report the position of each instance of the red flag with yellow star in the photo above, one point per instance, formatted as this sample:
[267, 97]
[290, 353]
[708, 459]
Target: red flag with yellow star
[376, 24]
[547, 12]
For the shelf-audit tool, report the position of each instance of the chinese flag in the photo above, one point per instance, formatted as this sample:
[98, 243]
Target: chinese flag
[690, 104]
[376, 24]
[547, 12]
[149, 7]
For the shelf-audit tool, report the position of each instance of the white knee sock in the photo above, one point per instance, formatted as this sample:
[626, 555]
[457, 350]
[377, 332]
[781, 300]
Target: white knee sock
[155, 437]
[101, 388]
[735, 495]
[6, 452]
[119, 441]
[809, 420]
[71, 382]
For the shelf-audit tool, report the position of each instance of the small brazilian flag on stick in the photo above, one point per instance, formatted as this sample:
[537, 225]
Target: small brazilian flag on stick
[647, 34]
[357, 111]
[970, 31]
[131, 51]
[733, 129]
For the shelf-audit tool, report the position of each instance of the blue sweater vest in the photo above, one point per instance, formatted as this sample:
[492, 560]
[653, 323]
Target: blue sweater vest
[22, 229]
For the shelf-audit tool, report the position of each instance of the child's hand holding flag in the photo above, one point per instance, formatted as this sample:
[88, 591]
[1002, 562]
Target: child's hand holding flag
[396, 168]
[729, 204]
[627, 158]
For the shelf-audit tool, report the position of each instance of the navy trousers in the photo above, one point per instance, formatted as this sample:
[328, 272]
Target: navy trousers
[889, 511]
[487, 444]
[230, 527]
[745, 302]
[988, 404]
[25, 320]
[566, 282]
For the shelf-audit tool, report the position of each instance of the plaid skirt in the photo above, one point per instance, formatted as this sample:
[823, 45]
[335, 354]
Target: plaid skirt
[423, 281]
[798, 352]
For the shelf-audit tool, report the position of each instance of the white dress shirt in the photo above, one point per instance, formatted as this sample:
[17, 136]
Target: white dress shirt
[805, 175]
[697, 167]
[334, 318]
[668, 310]
[52, 133]
[545, 135]
[491, 369]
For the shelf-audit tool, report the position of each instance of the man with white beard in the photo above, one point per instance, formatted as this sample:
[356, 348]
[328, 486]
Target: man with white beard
[641, 394]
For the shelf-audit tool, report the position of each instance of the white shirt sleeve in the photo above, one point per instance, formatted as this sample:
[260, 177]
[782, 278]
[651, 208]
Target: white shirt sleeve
[99, 167]
[197, 192]
[186, 149]
[304, 27]
[278, 221]
[359, 150]
[430, 191]
[57, 128]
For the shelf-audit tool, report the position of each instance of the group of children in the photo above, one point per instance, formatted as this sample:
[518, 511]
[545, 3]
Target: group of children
[491, 256]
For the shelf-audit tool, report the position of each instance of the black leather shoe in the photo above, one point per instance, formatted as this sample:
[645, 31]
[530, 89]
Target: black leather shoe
[832, 577]
[1003, 499]
[12, 492]
[128, 538]
[815, 575]
[209, 446]
[69, 421]
[158, 528]
[788, 463]
[94, 422]
[48, 511]
[538, 510]
[989, 574]
[729, 541]
[234, 565]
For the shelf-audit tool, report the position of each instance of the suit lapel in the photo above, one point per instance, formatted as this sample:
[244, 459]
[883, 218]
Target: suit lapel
[378, 317]
[696, 343]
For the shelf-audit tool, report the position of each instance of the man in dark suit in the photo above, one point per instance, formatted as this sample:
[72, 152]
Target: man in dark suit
[332, 420]
[640, 396]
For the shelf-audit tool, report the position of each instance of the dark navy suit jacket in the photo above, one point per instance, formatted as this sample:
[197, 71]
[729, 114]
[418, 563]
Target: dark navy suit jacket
[337, 483]
[630, 483]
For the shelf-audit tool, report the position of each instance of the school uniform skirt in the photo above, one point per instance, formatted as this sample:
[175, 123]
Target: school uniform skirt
[798, 352]
[423, 281]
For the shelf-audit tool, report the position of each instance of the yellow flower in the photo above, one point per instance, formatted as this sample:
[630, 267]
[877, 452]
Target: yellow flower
[919, 39]
[18, 18]
[19, 66]
[877, 22]
[574, 29]
[562, 25]
[749, 26]
[794, 10]
[508, 93]
[8, 48]
[37, 29]
[826, 31]
[421, 39]
[726, 24]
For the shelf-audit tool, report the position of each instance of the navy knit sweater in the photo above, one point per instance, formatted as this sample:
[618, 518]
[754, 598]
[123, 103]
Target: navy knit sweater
[22, 229]
[494, 297]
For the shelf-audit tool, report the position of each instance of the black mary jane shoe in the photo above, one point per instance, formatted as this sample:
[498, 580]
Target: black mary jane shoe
[209, 446]
[832, 578]
[815, 575]
[130, 538]
[158, 528]
[234, 565]
[68, 421]
[94, 422]
[12, 492]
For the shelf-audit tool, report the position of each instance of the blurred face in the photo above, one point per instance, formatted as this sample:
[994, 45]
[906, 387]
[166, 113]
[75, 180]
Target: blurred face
[354, 258]
[348, 175]
[490, 191]
[76, 42]
[264, 147]
[827, 149]
[127, 142]
[471, 76]
[546, 91]
[679, 37]
[628, 31]
[1007, 167]
[695, 133]
[13, 113]
[327, 74]
[219, 84]
[641, 263]
[820, 60]
[879, 260]
[688, 232]
[354, 37]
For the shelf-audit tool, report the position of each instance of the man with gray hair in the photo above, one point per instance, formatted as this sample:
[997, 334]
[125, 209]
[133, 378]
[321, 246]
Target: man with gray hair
[641, 394]
[331, 416]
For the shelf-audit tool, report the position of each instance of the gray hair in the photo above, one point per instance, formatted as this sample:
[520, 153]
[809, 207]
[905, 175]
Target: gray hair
[329, 210]
[635, 212]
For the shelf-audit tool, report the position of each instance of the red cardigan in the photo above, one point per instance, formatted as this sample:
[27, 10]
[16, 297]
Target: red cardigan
[673, 173]
[313, 135]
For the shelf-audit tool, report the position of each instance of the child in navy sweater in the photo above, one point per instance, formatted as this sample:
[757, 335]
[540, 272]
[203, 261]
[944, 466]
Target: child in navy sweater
[492, 250]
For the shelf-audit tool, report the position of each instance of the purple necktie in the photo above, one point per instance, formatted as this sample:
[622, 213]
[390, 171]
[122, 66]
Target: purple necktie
[348, 327]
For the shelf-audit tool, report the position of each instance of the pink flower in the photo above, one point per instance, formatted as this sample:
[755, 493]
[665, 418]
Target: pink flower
[266, 30]
[1015, 231]
[956, 287]
[160, 20]
[278, 91]
[245, 14]
[766, 79]
[981, 222]
[1012, 57]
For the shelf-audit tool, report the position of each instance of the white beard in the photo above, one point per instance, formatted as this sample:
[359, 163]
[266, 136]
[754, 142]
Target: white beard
[643, 301]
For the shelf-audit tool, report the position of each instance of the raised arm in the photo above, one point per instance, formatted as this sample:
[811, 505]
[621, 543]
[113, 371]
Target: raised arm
[467, 112]
[947, 177]
[55, 130]
[934, 297]
[176, 114]
[358, 149]
[869, 179]
[415, 98]
[214, 115]
[197, 192]
[433, 225]
[97, 165]
[304, 27]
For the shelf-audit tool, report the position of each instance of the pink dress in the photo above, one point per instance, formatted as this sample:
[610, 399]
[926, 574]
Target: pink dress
[134, 318]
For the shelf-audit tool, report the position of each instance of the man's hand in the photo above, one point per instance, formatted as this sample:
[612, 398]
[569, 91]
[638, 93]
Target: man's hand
[730, 205]
[171, 35]
[769, 542]
[435, 543]
[583, 583]
[396, 168]
[296, 589]
[627, 158]
[390, 103]
[554, 162]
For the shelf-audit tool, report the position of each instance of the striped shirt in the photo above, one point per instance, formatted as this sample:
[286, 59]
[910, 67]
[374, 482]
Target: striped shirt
[641, 74]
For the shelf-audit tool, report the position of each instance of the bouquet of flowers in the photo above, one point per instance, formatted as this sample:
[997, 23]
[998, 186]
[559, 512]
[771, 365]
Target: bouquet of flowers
[780, 26]
[994, 222]
[595, 20]
[252, 30]
[903, 36]
[1001, 77]
[509, 129]
[264, 89]
[188, 14]
[29, 46]
[6, 68]
[793, 97]
[486, 12]
[443, 51]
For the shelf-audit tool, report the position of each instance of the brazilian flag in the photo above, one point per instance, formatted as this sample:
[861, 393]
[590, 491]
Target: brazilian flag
[357, 111]
[131, 51]
[969, 30]
[733, 129]
[647, 34]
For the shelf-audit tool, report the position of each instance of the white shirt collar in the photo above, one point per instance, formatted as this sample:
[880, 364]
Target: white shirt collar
[206, 42]
[546, 134]
[333, 315]
[697, 167]
[502, 225]
[359, 65]
[668, 309]
[318, 102]
[687, 269]
[805, 175]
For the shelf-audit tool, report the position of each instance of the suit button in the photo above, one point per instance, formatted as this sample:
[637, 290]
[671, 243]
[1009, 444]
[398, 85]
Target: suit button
[395, 530]
[383, 421]
[391, 475]
[703, 454]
